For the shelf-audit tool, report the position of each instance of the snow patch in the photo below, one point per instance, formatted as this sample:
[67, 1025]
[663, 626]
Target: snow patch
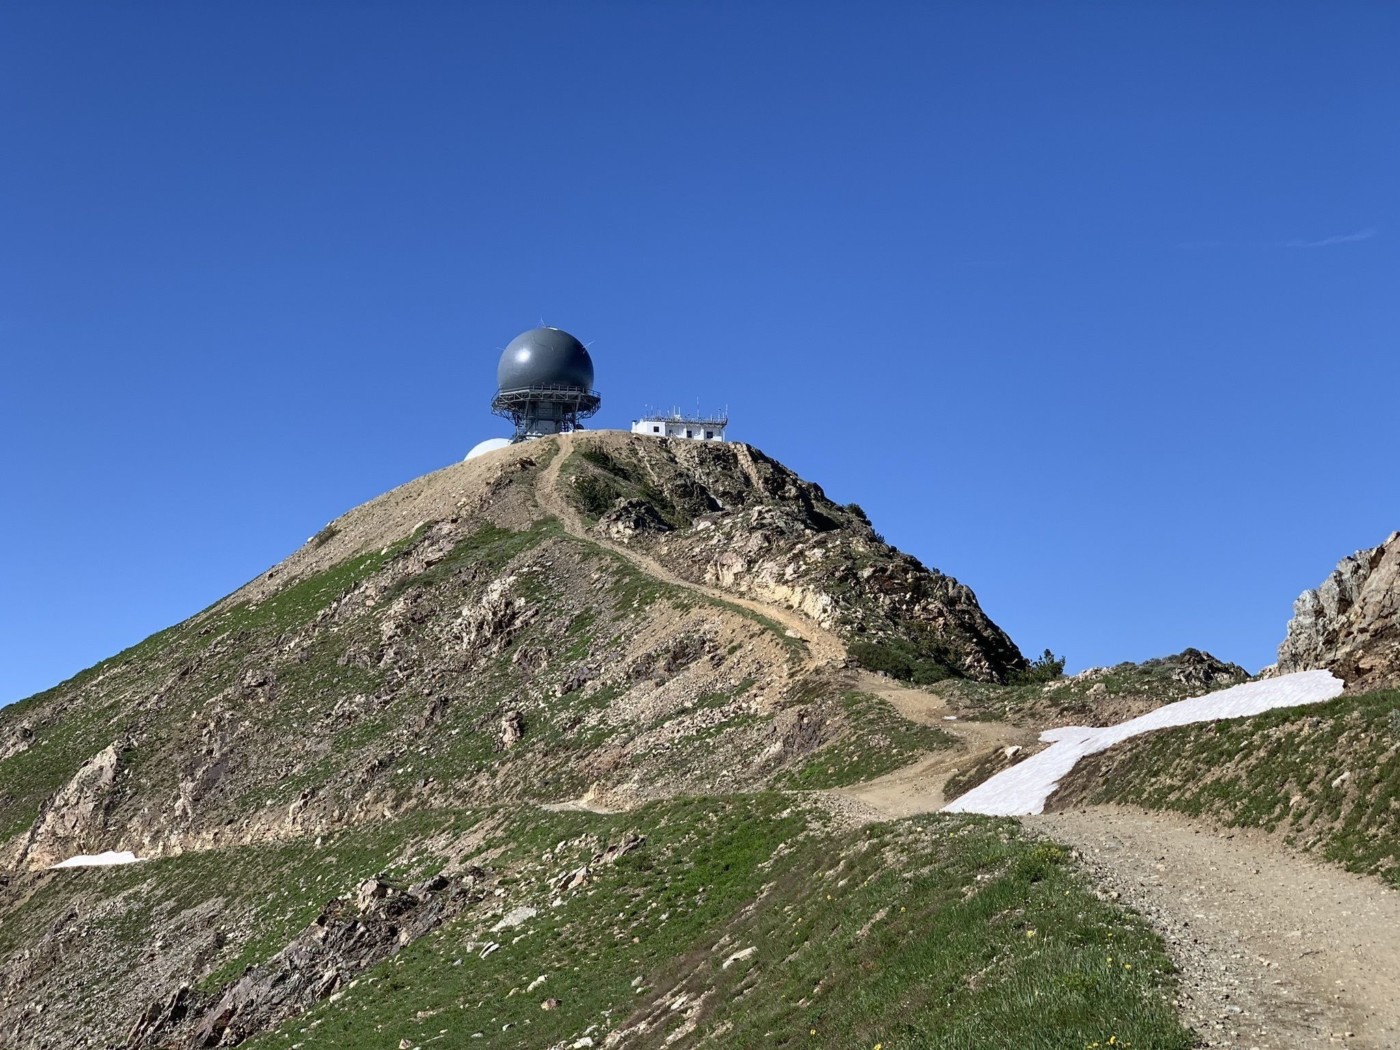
[97, 860]
[1023, 788]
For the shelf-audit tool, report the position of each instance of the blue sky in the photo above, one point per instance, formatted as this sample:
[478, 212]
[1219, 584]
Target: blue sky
[1090, 305]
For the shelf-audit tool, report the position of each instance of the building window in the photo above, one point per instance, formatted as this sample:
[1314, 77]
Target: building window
[709, 435]
[688, 433]
[656, 430]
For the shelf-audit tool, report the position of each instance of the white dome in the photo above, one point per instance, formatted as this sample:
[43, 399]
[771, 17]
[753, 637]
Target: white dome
[489, 445]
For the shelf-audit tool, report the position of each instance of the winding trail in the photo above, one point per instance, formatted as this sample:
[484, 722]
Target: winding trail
[918, 788]
[914, 789]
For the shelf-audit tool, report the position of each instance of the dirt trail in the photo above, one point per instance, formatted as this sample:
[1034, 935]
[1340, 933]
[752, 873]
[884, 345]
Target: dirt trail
[1276, 950]
[918, 788]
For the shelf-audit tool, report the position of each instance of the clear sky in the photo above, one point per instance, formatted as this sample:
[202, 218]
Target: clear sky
[1091, 305]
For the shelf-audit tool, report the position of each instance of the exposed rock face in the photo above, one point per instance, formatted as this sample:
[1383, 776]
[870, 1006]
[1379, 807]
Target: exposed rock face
[1351, 624]
[490, 625]
[76, 816]
[20, 737]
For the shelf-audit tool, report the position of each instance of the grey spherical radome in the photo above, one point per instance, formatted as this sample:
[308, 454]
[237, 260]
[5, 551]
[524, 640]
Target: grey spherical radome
[545, 357]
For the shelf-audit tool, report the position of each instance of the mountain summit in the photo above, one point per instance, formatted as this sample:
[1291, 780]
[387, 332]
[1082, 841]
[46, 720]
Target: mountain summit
[590, 612]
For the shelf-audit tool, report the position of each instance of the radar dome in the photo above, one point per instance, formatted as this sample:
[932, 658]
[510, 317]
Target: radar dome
[545, 357]
[489, 445]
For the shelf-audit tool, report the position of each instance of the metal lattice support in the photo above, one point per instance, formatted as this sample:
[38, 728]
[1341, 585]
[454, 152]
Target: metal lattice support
[547, 409]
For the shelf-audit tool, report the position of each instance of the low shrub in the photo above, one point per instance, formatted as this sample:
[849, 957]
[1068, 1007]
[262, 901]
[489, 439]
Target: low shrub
[1047, 668]
[901, 659]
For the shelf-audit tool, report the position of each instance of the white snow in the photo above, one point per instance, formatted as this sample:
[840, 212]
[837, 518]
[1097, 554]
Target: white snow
[97, 860]
[1023, 788]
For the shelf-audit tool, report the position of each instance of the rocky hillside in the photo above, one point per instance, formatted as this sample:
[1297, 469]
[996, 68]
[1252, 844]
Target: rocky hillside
[404, 746]
[1099, 696]
[727, 516]
[440, 629]
[1351, 624]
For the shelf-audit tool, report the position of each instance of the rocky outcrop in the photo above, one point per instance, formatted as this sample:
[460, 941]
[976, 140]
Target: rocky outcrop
[630, 517]
[73, 819]
[489, 625]
[18, 741]
[1199, 670]
[1351, 624]
[345, 939]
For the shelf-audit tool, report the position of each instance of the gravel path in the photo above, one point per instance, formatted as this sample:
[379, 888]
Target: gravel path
[1276, 950]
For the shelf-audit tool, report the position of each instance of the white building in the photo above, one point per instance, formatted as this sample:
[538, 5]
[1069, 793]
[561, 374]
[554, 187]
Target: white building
[678, 425]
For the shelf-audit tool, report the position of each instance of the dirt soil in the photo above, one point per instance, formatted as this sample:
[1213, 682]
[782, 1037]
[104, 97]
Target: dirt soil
[1277, 951]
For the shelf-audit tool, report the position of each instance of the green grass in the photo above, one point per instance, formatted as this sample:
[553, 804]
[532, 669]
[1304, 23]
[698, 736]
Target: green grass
[939, 932]
[876, 740]
[489, 548]
[1280, 771]
[299, 603]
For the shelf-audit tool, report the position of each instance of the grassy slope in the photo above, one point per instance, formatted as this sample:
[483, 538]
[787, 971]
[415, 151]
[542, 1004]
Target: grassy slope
[1326, 777]
[97, 702]
[875, 740]
[242, 904]
[947, 932]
